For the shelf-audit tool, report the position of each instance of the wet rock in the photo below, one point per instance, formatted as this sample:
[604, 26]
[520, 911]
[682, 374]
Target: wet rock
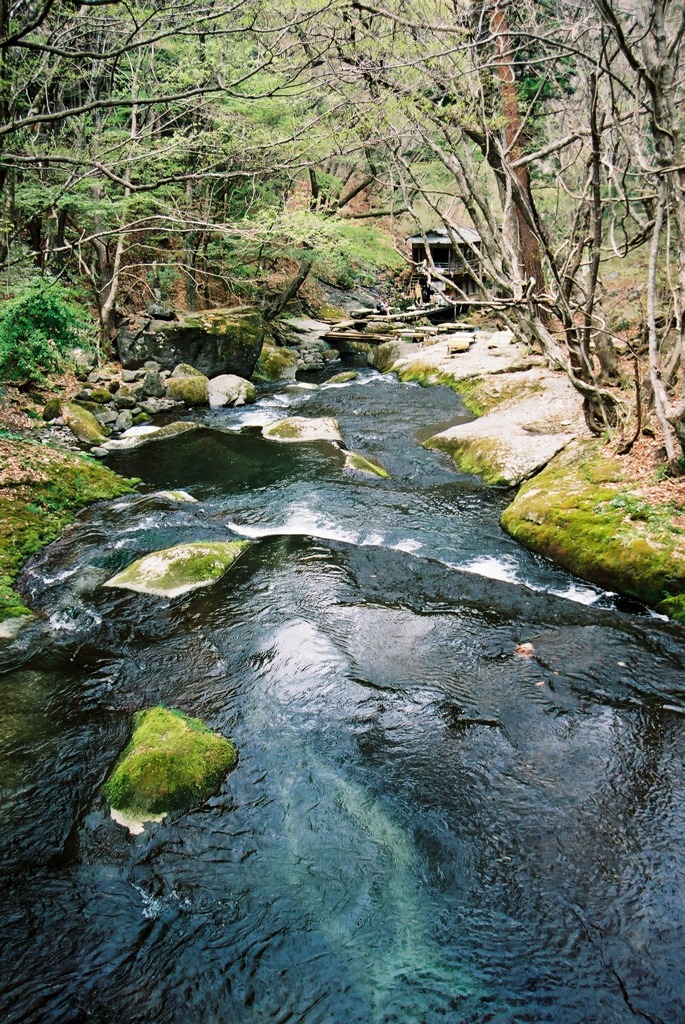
[343, 378]
[230, 390]
[83, 424]
[364, 465]
[172, 763]
[301, 428]
[138, 436]
[215, 341]
[180, 569]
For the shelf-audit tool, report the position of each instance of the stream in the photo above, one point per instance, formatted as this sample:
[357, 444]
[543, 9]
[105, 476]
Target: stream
[424, 825]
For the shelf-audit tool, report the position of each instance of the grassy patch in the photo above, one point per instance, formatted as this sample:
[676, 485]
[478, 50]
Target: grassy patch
[41, 490]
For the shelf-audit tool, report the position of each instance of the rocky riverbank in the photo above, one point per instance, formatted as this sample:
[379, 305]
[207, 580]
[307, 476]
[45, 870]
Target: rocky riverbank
[607, 518]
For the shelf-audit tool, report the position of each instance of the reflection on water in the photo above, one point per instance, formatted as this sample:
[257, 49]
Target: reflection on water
[423, 826]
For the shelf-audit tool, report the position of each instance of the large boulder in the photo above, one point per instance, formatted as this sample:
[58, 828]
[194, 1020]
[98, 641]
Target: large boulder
[228, 389]
[178, 570]
[83, 424]
[172, 763]
[215, 341]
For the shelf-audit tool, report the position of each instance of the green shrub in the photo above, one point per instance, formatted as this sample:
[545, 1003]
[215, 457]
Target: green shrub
[37, 327]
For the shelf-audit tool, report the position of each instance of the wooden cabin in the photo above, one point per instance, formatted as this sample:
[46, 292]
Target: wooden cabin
[452, 253]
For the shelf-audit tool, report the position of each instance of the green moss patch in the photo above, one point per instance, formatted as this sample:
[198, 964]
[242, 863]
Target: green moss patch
[580, 512]
[41, 490]
[275, 363]
[363, 465]
[172, 762]
[477, 456]
[180, 569]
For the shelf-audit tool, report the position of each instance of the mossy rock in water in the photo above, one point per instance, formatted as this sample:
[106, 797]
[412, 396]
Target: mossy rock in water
[83, 424]
[362, 465]
[275, 363]
[180, 569]
[343, 378]
[191, 390]
[580, 512]
[172, 763]
[154, 434]
[300, 428]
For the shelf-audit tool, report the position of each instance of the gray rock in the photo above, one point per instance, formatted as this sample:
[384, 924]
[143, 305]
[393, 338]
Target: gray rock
[158, 311]
[125, 400]
[124, 421]
[106, 416]
[215, 341]
[230, 390]
[153, 385]
[154, 405]
[83, 360]
[152, 365]
[128, 376]
[101, 453]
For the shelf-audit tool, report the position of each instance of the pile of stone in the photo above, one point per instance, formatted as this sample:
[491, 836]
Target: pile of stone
[110, 403]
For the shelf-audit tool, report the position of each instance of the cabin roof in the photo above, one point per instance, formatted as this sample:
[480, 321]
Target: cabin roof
[441, 236]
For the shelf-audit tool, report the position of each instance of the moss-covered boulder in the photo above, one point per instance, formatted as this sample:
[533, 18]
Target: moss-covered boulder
[363, 465]
[188, 385]
[172, 763]
[52, 409]
[275, 363]
[83, 424]
[301, 428]
[580, 512]
[180, 569]
[214, 341]
[41, 490]
[143, 434]
[343, 378]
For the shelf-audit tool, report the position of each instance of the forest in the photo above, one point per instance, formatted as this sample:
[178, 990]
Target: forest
[213, 152]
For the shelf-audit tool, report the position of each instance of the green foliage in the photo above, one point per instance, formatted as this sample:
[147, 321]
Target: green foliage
[44, 489]
[37, 327]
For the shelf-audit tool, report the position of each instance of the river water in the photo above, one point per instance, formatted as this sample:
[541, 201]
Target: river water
[424, 825]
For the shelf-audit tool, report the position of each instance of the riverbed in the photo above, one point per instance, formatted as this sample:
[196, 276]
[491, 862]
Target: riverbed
[427, 823]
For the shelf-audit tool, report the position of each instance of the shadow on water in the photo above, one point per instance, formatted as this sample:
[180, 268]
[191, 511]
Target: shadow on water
[424, 825]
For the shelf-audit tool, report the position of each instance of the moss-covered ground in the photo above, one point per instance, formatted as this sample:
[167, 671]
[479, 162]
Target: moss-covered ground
[172, 762]
[41, 490]
[582, 512]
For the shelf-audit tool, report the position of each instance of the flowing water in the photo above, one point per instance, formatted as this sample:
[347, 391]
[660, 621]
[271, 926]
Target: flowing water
[424, 825]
